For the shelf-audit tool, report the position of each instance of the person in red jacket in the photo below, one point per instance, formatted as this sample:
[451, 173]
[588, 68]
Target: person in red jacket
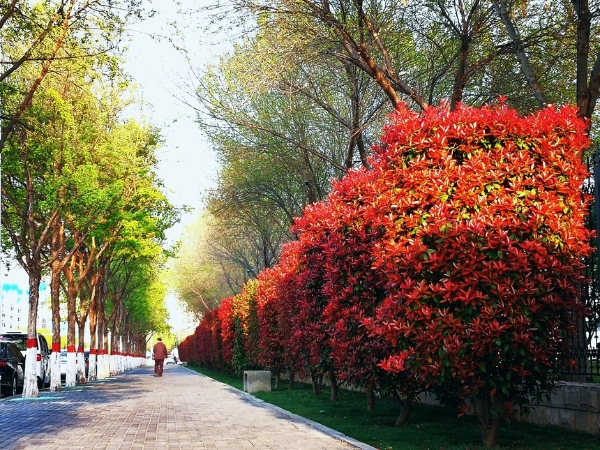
[159, 354]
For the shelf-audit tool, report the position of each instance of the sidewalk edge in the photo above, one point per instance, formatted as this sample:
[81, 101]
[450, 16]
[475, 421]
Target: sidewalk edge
[329, 431]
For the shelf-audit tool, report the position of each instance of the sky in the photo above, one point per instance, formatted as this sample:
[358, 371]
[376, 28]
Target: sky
[187, 164]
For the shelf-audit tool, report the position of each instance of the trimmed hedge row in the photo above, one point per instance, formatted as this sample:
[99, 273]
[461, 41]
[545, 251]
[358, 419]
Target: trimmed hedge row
[453, 265]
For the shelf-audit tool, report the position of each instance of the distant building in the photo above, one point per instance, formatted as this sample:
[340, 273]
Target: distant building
[14, 308]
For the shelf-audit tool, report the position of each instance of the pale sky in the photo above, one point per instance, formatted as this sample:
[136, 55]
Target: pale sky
[187, 165]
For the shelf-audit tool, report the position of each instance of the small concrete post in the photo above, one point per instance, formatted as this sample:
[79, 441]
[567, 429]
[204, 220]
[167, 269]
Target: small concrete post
[257, 380]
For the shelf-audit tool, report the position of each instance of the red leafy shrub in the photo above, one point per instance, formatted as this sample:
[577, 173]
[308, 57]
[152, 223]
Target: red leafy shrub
[226, 317]
[203, 347]
[243, 325]
[276, 307]
[338, 237]
[482, 221]
[186, 349]
[251, 324]
[270, 329]
[455, 264]
[352, 287]
[311, 338]
[208, 341]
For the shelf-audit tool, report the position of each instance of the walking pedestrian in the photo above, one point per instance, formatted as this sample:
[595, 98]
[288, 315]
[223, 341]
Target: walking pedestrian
[159, 353]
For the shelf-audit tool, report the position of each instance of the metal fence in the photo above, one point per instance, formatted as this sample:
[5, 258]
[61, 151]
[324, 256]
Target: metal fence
[585, 345]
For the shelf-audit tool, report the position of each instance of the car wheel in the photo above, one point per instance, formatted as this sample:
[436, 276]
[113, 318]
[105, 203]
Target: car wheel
[41, 381]
[13, 390]
[10, 389]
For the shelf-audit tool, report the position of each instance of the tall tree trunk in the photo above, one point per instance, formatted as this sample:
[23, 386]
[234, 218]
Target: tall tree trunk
[490, 424]
[370, 392]
[115, 346]
[356, 128]
[125, 350]
[584, 20]
[56, 269]
[100, 372]
[105, 365]
[29, 252]
[461, 76]
[518, 47]
[69, 271]
[96, 291]
[587, 91]
[291, 380]
[93, 317]
[334, 386]
[110, 333]
[30, 389]
[81, 352]
[405, 410]
[317, 382]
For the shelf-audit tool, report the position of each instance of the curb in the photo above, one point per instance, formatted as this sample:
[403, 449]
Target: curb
[322, 428]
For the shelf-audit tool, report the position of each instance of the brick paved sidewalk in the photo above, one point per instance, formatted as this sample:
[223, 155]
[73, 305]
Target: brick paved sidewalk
[135, 410]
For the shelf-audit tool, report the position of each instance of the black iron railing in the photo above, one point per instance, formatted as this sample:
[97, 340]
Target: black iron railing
[583, 363]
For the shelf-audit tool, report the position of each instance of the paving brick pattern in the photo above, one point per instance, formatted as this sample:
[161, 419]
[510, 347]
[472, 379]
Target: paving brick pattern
[135, 410]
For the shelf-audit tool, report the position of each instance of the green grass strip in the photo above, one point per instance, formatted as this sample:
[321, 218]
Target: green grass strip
[429, 427]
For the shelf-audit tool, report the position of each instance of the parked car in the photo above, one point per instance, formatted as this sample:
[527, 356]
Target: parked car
[43, 354]
[170, 359]
[12, 369]
[63, 364]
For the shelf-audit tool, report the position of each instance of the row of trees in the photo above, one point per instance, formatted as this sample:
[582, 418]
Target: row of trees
[304, 93]
[81, 202]
[453, 264]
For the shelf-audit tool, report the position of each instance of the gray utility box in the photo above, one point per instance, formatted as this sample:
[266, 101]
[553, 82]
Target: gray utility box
[257, 380]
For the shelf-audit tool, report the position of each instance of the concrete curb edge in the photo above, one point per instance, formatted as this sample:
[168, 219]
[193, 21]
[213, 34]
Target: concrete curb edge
[329, 431]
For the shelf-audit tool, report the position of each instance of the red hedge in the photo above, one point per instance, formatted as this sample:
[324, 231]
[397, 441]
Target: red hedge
[483, 247]
[454, 264]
